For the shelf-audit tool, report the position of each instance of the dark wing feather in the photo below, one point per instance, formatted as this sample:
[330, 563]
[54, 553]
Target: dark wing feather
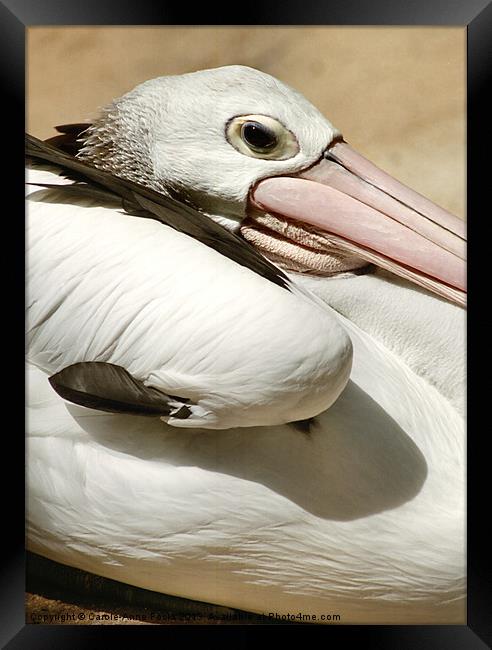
[144, 202]
[108, 387]
[69, 141]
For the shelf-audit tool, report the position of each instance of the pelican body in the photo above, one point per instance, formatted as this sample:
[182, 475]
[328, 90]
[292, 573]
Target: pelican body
[171, 357]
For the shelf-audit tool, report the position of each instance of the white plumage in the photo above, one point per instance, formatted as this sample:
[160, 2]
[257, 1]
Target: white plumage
[364, 517]
[177, 315]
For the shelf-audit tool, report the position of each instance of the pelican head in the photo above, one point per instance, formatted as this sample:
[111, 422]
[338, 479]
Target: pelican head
[186, 135]
[256, 156]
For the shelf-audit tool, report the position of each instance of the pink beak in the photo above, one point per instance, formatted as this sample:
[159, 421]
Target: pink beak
[364, 211]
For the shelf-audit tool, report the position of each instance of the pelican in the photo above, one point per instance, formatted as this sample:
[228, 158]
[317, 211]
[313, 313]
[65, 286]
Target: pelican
[245, 365]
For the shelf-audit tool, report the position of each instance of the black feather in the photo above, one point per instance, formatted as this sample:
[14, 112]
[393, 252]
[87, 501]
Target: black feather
[69, 141]
[75, 129]
[82, 189]
[144, 202]
[111, 388]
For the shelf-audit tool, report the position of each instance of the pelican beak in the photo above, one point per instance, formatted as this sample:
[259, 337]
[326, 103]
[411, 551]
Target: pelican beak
[362, 210]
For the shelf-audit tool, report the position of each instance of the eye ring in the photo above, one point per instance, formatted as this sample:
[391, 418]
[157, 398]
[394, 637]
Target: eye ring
[262, 137]
[258, 136]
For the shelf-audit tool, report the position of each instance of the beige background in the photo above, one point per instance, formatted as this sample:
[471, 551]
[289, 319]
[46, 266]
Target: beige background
[397, 94]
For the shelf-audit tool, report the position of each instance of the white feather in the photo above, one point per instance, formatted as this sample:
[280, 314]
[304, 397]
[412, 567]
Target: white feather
[175, 314]
[363, 518]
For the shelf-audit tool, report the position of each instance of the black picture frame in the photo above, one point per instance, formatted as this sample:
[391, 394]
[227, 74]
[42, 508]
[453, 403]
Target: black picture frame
[15, 17]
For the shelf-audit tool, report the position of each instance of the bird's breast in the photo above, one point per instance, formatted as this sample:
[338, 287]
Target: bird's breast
[426, 332]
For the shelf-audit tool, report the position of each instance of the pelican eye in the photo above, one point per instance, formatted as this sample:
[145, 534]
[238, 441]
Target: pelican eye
[261, 136]
[257, 136]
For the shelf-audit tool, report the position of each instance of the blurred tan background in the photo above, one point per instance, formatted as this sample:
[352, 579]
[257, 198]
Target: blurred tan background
[397, 94]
